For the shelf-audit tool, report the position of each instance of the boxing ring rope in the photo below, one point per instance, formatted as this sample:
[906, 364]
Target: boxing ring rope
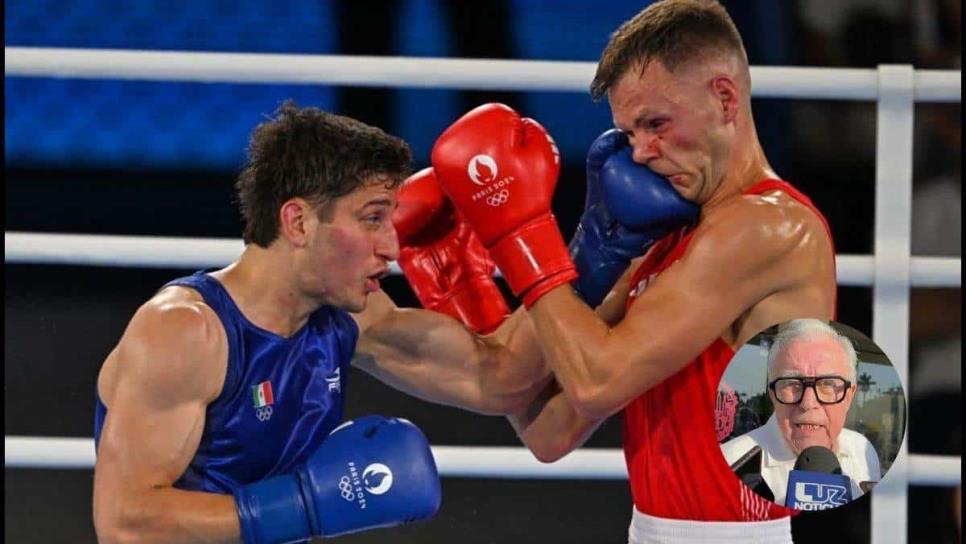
[891, 270]
[435, 73]
[452, 461]
[194, 253]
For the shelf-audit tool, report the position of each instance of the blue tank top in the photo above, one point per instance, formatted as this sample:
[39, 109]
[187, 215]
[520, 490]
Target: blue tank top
[281, 397]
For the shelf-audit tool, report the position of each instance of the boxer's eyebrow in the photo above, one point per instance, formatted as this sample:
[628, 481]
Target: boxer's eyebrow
[378, 202]
[637, 122]
[643, 115]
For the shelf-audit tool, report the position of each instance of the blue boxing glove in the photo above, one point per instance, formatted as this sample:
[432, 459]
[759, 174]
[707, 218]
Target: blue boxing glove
[628, 208]
[371, 472]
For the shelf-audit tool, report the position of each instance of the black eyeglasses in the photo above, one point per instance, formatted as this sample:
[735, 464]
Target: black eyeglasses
[827, 389]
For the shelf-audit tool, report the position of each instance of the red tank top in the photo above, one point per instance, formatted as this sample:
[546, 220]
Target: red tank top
[674, 462]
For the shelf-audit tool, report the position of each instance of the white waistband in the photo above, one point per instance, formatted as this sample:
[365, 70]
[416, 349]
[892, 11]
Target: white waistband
[647, 529]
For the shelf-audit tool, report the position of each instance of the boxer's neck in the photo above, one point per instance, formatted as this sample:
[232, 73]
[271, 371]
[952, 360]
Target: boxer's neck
[264, 288]
[746, 165]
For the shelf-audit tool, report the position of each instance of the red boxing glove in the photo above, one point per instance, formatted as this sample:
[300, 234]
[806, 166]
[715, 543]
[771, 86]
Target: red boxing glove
[500, 171]
[446, 265]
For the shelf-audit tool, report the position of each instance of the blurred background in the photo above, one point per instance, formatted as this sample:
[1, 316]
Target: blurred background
[157, 158]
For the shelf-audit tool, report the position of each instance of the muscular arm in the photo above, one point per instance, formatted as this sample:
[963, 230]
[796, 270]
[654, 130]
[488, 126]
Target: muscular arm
[611, 310]
[433, 357]
[735, 261]
[551, 427]
[156, 385]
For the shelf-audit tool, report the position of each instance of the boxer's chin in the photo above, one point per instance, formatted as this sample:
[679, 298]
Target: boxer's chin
[683, 186]
[361, 304]
[355, 303]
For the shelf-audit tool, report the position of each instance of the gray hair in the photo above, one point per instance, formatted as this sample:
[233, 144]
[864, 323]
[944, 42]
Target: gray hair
[799, 329]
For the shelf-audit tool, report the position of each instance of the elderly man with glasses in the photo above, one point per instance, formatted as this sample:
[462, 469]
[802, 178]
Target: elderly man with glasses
[811, 384]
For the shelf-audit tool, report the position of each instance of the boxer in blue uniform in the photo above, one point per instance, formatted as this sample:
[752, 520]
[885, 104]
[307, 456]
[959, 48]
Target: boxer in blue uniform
[219, 412]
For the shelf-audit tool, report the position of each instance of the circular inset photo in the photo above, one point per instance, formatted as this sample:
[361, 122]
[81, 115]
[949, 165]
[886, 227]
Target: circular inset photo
[810, 414]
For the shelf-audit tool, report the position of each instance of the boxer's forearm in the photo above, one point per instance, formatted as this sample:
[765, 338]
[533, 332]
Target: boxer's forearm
[166, 515]
[576, 343]
[516, 351]
[550, 427]
[511, 371]
[506, 366]
[436, 358]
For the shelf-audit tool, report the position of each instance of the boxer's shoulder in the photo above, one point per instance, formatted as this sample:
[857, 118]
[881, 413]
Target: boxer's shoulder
[176, 335]
[769, 221]
[779, 208]
[769, 204]
[180, 313]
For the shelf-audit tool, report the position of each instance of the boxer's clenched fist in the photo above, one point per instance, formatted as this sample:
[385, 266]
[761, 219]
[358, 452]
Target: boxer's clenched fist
[446, 265]
[500, 171]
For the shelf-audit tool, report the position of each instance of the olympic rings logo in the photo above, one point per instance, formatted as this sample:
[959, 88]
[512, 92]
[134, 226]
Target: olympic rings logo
[345, 487]
[263, 413]
[498, 199]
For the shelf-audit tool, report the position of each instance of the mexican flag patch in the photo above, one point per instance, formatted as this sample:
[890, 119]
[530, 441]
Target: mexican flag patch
[262, 394]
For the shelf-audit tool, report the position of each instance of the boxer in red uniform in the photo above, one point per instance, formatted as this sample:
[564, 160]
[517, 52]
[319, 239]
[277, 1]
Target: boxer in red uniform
[678, 83]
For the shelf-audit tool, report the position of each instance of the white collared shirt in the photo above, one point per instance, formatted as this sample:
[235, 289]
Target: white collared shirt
[856, 455]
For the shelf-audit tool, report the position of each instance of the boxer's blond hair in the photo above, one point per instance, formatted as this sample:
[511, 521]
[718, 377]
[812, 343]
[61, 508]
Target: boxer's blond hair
[673, 32]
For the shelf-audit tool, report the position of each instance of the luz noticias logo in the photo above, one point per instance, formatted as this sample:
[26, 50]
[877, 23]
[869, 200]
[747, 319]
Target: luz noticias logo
[482, 169]
[377, 478]
[817, 496]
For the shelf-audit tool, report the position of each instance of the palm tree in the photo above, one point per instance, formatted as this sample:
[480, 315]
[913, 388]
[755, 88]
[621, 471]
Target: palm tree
[865, 383]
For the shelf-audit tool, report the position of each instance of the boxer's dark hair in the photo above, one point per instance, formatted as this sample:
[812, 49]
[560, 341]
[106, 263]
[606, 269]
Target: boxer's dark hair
[673, 32]
[315, 155]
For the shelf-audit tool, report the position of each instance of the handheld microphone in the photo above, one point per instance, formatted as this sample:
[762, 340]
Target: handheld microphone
[817, 482]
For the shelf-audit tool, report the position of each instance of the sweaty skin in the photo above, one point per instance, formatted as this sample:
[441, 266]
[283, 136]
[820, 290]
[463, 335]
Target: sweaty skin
[753, 261]
[171, 361]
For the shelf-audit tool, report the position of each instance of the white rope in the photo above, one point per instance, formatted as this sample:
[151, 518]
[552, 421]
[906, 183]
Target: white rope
[122, 251]
[482, 74]
[452, 461]
[935, 470]
[504, 462]
[859, 270]
[164, 252]
[47, 452]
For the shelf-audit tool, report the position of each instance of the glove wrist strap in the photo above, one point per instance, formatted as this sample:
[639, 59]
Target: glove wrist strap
[272, 511]
[477, 303]
[532, 254]
[547, 285]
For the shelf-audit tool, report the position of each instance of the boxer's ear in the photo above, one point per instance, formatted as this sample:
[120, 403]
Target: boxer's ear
[726, 95]
[294, 216]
